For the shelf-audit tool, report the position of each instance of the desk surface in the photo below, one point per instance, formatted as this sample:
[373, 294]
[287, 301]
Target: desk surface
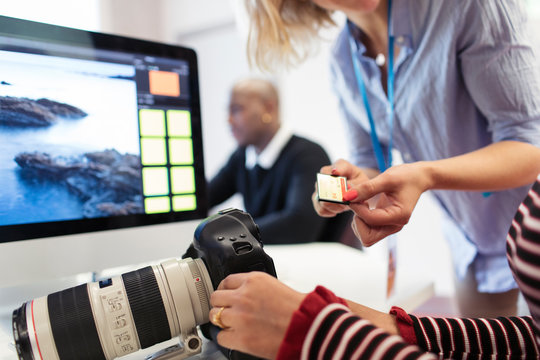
[348, 272]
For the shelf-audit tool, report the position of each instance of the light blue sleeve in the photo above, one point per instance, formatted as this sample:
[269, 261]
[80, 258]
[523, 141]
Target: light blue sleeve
[500, 68]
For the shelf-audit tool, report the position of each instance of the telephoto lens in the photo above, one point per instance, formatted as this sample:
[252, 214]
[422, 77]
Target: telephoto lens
[117, 316]
[120, 315]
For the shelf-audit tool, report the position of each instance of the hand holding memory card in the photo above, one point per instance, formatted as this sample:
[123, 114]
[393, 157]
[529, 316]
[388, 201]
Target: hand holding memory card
[331, 188]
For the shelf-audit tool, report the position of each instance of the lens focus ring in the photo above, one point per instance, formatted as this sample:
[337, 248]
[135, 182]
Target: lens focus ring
[147, 306]
[73, 325]
[200, 286]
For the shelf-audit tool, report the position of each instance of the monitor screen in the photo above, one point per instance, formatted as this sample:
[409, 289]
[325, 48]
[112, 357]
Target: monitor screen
[98, 132]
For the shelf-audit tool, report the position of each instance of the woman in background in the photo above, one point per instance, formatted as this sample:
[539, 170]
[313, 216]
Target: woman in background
[455, 87]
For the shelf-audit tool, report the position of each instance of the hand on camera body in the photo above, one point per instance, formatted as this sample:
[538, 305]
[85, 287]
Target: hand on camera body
[257, 309]
[382, 205]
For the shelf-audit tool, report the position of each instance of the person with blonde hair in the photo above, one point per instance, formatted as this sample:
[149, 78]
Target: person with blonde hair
[453, 86]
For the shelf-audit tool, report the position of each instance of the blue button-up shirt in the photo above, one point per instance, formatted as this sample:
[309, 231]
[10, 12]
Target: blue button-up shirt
[466, 76]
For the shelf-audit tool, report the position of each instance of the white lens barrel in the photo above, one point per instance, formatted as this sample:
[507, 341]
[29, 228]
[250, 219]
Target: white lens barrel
[190, 287]
[113, 317]
[39, 330]
[121, 315]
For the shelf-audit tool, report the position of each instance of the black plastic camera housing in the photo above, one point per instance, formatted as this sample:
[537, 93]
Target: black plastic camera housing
[229, 242]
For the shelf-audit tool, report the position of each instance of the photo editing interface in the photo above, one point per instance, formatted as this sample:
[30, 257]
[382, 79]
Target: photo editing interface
[95, 133]
[168, 173]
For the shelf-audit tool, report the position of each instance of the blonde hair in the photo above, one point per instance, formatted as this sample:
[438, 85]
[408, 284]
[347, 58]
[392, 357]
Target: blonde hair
[282, 31]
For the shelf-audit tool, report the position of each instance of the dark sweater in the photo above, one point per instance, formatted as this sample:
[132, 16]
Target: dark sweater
[281, 205]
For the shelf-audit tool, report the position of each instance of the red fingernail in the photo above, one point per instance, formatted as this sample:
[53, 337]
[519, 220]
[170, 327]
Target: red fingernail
[350, 195]
[334, 171]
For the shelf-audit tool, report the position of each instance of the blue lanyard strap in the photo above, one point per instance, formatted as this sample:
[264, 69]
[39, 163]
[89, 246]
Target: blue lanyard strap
[381, 162]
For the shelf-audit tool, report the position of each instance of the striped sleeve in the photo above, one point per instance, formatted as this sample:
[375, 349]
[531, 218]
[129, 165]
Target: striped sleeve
[513, 337]
[454, 338]
[336, 333]
[523, 252]
[325, 328]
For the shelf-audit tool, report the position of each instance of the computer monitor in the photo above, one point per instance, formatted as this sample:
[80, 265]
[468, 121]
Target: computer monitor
[101, 160]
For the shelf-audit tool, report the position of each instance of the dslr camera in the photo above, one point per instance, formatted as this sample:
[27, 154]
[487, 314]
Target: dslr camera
[117, 316]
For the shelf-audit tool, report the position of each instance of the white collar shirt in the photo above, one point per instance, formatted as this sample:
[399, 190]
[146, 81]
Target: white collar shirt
[270, 153]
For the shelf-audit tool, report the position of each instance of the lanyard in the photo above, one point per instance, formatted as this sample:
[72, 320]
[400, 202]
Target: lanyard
[381, 162]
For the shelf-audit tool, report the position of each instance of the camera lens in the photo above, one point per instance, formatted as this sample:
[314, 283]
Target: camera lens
[20, 333]
[114, 317]
[147, 307]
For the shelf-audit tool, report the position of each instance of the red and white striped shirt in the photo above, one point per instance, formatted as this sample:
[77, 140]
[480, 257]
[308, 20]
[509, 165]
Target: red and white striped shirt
[325, 328]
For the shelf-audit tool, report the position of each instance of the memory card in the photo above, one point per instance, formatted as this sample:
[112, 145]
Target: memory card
[331, 188]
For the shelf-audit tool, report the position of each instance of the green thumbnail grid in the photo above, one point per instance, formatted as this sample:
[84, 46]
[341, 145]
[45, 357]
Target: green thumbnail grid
[155, 205]
[182, 180]
[180, 151]
[153, 151]
[152, 122]
[179, 123]
[166, 144]
[184, 202]
[155, 181]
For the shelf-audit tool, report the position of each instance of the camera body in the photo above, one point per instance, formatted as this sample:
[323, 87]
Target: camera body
[230, 242]
[120, 315]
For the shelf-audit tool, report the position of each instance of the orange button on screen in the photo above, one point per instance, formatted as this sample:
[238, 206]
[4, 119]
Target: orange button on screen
[164, 83]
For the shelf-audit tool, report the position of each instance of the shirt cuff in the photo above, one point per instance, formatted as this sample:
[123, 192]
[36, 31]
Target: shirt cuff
[405, 325]
[301, 321]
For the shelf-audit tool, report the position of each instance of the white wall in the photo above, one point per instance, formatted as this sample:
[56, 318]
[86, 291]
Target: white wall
[309, 105]
[82, 14]
[221, 62]
[136, 18]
